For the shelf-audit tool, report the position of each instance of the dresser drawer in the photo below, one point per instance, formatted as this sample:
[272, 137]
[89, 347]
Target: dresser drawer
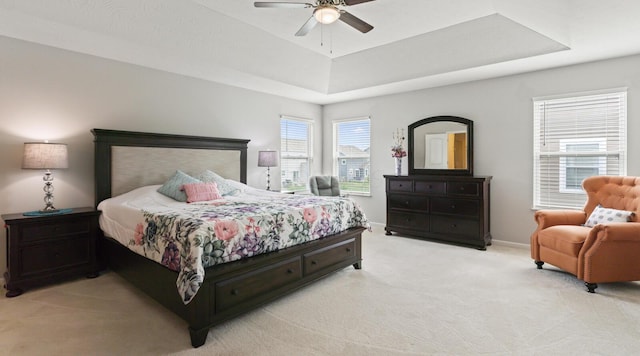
[400, 185]
[463, 188]
[453, 226]
[328, 256]
[409, 202]
[43, 231]
[237, 290]
[408, 220]
[426, 187]
[455, 206]
[61, 254]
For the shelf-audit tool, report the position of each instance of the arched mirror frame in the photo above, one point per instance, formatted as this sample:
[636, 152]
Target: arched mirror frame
[411, 149]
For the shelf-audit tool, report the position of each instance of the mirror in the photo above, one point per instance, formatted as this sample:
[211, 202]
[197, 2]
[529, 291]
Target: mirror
[441, 145]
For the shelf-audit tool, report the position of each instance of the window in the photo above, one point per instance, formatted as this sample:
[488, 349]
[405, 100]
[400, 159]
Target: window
[295, 153]
[351, 155]
[575, 138]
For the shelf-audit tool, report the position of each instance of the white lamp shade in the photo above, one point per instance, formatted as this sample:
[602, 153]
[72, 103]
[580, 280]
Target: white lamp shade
[267, 158]
[40, 155]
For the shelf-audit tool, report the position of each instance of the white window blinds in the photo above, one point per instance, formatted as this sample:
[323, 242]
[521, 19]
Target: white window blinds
[575, 138]
[295, 153]
[351, 155]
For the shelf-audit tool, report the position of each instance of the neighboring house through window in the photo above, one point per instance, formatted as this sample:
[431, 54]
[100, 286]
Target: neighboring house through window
[351, 156]
[574, 138]
[295, 153]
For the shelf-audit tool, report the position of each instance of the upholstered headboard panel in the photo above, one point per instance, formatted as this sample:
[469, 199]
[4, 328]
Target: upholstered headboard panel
[126, 160]
[133, 167]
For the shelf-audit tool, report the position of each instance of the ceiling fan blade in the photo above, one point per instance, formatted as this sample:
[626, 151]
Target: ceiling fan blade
[280, 4]
[355, 2]
[308, 26]
[355, 22]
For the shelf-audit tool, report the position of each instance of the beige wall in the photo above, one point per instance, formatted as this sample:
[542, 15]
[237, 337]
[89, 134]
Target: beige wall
[502, 112]
[47, 93]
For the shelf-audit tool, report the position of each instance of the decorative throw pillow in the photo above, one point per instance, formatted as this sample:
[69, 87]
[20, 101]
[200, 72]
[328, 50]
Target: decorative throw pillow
[602, 215]
[173, 187]
[201, 192]
[223, 187]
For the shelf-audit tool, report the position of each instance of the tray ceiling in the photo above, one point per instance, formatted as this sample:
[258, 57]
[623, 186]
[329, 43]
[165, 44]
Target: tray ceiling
[415, 44]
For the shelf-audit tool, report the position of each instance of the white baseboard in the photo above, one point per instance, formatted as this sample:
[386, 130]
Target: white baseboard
[510, 244]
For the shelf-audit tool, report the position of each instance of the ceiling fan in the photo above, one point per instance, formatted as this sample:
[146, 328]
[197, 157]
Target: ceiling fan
[325, 12]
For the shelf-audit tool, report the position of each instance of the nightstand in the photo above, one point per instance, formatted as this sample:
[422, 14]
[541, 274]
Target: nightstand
[48, 248]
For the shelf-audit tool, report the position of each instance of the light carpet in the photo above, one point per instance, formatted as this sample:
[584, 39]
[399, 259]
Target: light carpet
[411, 297]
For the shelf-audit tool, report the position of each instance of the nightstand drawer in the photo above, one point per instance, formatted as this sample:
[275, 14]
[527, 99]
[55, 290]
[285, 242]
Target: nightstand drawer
[63, 254]
[32, 233]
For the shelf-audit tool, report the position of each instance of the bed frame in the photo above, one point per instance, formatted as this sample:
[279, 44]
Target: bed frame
[229, 289]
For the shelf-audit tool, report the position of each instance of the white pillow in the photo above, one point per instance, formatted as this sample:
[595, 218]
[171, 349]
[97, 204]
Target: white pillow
[602, 215]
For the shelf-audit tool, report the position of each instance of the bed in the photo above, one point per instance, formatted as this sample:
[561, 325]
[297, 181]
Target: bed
[128, 161]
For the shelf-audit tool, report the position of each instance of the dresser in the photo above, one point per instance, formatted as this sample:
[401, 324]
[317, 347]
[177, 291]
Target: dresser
[47, 248]
[446, 208]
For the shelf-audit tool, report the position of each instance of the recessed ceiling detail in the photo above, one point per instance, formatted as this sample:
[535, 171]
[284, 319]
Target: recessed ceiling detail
[486, 40]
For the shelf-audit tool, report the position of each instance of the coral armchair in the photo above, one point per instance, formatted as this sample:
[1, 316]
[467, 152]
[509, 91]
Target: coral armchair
[605, 252]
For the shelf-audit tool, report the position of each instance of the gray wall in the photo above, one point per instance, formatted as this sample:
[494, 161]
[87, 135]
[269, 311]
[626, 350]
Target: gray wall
[502, 112]
[48, 93]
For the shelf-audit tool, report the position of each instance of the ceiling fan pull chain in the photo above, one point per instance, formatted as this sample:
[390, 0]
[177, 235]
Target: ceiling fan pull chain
[331, 40]
[321, 34]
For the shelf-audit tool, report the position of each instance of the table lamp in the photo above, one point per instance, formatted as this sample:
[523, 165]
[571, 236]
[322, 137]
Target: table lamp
[268, 159]
[47, 156]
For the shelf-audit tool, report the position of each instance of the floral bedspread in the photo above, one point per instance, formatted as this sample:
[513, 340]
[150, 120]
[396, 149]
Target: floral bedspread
[204, 235]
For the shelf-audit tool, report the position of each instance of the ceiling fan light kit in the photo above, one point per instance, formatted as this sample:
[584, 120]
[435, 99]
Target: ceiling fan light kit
[325, 12]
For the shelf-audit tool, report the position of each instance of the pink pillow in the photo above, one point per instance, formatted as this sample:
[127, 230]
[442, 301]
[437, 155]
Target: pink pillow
[201, 192]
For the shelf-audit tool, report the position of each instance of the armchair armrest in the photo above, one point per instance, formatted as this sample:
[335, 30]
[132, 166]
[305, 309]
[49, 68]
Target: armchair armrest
[610, 253]
[546, 218]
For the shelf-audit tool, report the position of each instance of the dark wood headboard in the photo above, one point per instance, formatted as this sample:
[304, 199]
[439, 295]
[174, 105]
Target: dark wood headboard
[106, 141]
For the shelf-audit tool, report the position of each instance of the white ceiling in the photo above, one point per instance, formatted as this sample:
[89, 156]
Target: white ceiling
[414, 44]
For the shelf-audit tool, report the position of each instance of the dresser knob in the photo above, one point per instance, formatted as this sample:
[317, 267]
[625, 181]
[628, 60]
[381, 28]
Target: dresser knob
[348, 249]
[289, 270]
[406, 203]
[453, 207]
[454, 226]
[461, 189]
[314, 262]
[235, 292]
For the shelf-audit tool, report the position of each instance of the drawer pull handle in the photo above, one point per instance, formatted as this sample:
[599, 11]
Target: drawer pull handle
[454, 225]
[348, 249]
[453, 207]
[429, 186]
[289, 270]
[314, 262]
[462, 189]
[235, 292]
[406, 203]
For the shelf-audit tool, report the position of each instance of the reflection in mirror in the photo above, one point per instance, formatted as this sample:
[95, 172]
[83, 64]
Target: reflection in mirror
[444, 146]
[441, 145]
